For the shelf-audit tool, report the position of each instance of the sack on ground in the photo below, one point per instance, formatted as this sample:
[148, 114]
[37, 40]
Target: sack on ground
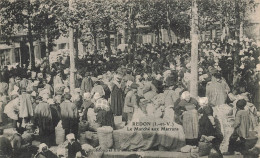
[59, 134]
[105, 137]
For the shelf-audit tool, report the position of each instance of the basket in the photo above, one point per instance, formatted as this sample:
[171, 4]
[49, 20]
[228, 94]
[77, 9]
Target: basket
[105, 137]
[83, 127]
[204, 148]
[82, 138]
[117, 119]
[92, 138]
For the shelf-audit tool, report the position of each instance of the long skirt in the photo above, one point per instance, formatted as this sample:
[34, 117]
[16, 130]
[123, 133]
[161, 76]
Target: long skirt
[190, 124]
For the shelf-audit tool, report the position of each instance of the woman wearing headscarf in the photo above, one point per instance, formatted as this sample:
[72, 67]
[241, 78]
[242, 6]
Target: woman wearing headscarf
[44, 152]
[210, 126]
[97, 89]
[117, 96]
[241, 129]
[104, 115]
[12, 108]
[149, 89]
[131, 101]
[186, 109]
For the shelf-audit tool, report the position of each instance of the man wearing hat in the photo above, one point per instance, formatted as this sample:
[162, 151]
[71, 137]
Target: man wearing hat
[86, 84]
[43, 118]
[73, 146]
[69, 115]
[128, 76]
[217, 90]
[171, 96]
[131, 101]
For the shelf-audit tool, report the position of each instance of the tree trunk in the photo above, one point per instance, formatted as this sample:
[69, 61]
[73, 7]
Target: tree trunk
[107, 39]
[107, 42]
[158, 35]
[72, 60]
[194, 51]
[76, 40]
[31, 50]
[168, 23]
[95, 42]
[133, 32]
[30, 38]
[237, 45]
[241, 31]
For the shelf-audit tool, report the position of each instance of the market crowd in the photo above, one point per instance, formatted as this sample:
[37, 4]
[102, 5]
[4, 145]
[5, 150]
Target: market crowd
[109, 87]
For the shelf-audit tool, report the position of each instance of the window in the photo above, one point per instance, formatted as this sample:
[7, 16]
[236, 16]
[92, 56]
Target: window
[17, 54]
[62, 46]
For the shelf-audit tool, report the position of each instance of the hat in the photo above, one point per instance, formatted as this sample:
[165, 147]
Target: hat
[241, 104]
[40, 75]
[203, 101]
[87, 96]
[185, 94]
[33, 94]
[66, 90]
[217, 75]
[70, 136]
[117, 77]
[14, 93]
[35, 83]
[67, 96]
[42, 146]
[45, 96]
[77, 90]
[258, 67]
[170, 81]
[50, 101]
[158, 77]
[33, 74]
[208, 110]
[96, 96]
[66, 71]
[100, 77]
[23, 89]
[134, 86]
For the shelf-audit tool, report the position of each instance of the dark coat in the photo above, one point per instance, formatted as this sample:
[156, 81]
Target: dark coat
[117, 100]
[73, 149]
[105, 118]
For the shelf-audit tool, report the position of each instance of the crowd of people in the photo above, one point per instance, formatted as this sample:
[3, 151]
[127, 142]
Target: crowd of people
[123, 84]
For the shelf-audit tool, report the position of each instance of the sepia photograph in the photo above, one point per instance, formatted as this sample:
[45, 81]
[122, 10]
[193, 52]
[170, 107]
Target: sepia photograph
[129, 78]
